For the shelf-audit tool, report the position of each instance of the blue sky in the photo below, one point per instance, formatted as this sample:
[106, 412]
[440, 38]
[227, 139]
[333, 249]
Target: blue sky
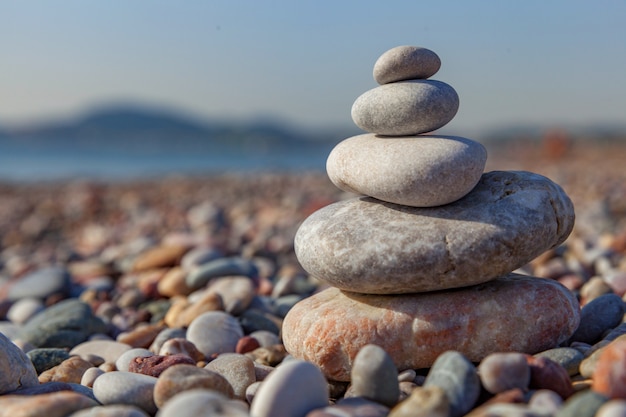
[544, 62]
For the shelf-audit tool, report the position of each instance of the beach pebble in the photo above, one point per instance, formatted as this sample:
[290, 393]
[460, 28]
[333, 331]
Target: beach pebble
[253, 320]
[238, 370]
[115, 410]
[41, 284]
[600, 315]
[405, 107]
[63, 325]
[89, 376]
[569, 358]
[545, 401]
[201, 402]
[23, 309]
[609, 376]
[247, 344]
[582, 404]
[126, 388]
[617, 281]
[179, 378]
[46, 358]
[415, 328]
[55, 404]
[173, 283]
[429, 401]
[504, 410]
[594, 288]
[547, 374]
[181, 346]
[199, 256]
[368, 246]
[352, 407]
[16, 369]
[166, 334]
[184, 310]
[159, 257]
[221, 267]
[419, 171]
[214, 332]
[406, 63]
[265, 338]
[374, 376]
[156, 364]
[236, 293]
[301, 382]
[109, 350]
[504, 371]
[123, 361]
[457, 376]
[70, 370]
[613, 408]
[141, 336]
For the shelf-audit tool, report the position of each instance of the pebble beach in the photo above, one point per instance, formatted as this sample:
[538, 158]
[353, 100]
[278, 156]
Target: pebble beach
[424, 275]
[100, 316]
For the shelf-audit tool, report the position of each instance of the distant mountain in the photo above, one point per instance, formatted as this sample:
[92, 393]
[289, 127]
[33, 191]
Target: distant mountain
[143, 128]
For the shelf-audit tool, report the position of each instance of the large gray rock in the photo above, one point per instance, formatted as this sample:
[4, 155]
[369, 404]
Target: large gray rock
[406, 63]
[406, 107]
[513, 313]
[420, 171]
[16, 369]
[368, 246]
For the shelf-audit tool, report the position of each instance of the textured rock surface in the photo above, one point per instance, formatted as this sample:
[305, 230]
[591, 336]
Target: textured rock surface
[406, 107]
[16, 370]
[420, 171]
[367, 246]
[515, 313]
[405, 63]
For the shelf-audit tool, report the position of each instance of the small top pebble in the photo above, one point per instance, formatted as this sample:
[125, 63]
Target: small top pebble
[406, 63]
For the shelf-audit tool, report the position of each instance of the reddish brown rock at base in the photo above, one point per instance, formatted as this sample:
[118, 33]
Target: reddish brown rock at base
[512, 313]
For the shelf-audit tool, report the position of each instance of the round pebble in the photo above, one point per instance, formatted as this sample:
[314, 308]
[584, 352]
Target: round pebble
[374, 376]
[126, 388]
[609, 376]
[501, 372]
[569, 358]
[405, 63]
[221, 267]
[201, 402]
[419, 171]
[214, 332]
[602, 314]
[406, 107]
[123, 361]
[430, 401]
[238, 370]
[613, 408]
[41, 283]
[23, 309]
[16, 369]
[109, 350]
[179, 378]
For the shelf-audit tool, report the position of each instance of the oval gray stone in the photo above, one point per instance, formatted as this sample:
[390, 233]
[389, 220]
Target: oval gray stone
[513, 313]
[457, 376]
[419, 171]
[221, 267]
[237, 369]
[375, 376]
[41, 283]
[129, 388]
[369, 246]
[406, 63]
[214, 332]
[406, 107]
[16, 369]
[293, 389]
[599, 316]
[202, 402]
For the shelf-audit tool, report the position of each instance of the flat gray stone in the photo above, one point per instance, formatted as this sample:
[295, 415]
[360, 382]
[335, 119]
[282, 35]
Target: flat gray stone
[128, 388]
[237, 369]
[375, 376]
[369, 246]
[202, 402]
[599, 316]
[406, 107]
[513, 313]
[215, 332]
[406, 63]
[419, 171]
[41, 283]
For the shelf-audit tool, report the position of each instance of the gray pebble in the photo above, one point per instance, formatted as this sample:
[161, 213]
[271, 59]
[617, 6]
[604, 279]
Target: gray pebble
[214, 332]
[299, 381]
[238, 370]
[569, 358]
[46, 358]
[600, 315]
[265, 338]
[25, 308]
[613, 408]
[63, 325]
[374, 376]
[90, 376]
[237, 293]
[582, 404]
[405, 63]
[115, 410]
[352, 407]
[458, 378]
[221, 267]
[108, 350]
[126, 388]
[406, 107]
[41, 283]
[166, 334]
[253, 320]
[202, 403]
[545, 401]
[16, 370]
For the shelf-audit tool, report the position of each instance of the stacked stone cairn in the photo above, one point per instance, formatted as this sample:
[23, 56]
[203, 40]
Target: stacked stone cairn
[422, 262]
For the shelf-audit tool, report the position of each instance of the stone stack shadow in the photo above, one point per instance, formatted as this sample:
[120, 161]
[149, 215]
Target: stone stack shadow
[422, 262]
